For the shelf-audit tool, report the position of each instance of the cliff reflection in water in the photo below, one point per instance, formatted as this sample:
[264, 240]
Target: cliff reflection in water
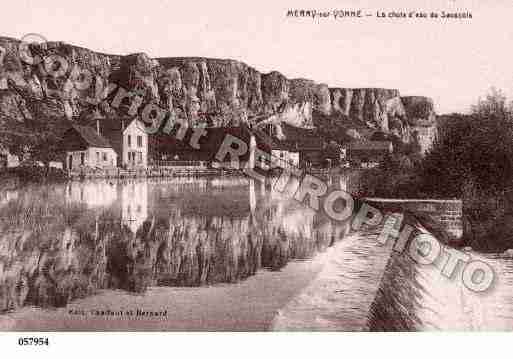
[66, 242]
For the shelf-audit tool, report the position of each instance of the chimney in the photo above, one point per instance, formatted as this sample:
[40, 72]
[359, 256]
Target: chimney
[97, 116]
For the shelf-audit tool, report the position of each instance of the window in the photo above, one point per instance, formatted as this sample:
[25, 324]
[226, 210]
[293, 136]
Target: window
[139, 141]
[104, 156]
[97, 156]
[132, 156]
[139, 157]
[129, 140]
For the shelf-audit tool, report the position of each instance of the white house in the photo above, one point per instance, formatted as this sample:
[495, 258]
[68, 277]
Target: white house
[114, 143]
[135, 145]
[86, 148]
[281, 153]
[284, 157]
[8, 160]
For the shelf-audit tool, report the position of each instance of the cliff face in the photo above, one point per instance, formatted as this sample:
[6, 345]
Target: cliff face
[420, 110]
[421, 117]
[212, 91]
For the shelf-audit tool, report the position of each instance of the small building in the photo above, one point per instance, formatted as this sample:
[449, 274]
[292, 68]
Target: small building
[169, 150]
[128, 138]
[368, 152]
[8, 160]
[84, 148]
[311, 147]
[283, 153]
[135, 145]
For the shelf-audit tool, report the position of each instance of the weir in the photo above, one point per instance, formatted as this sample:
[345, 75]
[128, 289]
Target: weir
[353, 291]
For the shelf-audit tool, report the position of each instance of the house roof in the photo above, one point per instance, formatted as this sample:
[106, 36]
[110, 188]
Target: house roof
[210, 142]
[369, 145]
[112, 129]
[91, 137]
[297, 133]
[302, 138]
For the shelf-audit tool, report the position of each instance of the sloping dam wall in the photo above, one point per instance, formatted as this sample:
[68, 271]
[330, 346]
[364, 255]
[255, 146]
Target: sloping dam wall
[369, 286]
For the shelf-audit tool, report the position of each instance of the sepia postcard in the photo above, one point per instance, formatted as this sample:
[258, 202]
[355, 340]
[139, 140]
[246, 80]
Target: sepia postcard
[296, 166]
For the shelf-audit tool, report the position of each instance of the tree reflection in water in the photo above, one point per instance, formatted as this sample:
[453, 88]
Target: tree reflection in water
[65, 242]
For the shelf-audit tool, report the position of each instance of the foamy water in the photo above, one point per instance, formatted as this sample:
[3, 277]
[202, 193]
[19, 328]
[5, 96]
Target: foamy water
[340, 296]
[447, 304]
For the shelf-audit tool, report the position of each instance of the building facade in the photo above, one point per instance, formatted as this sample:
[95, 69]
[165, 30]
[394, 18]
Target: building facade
[134, 145]
[368, 152]
[286, 157]
[95, 157]
[85, 148]
[8, 160]
[112, 142]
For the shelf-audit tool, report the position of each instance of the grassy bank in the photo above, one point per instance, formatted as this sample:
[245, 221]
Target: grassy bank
[11, 178]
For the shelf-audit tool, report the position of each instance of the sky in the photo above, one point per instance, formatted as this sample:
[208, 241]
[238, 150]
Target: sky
[453, 61]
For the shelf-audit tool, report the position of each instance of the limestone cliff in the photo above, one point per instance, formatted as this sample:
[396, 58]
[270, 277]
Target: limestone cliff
[420, 110]
[421, 117]
[216, 92]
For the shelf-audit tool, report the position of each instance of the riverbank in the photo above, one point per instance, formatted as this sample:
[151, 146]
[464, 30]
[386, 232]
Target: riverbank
[11, 178]
[250, 305]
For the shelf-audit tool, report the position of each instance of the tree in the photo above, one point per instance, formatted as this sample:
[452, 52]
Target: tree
[473, 151]
[494, 104]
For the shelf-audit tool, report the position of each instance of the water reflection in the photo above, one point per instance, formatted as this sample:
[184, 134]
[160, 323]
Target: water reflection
[7, 195]
[134, 204]
[93, 194]
[85, 236]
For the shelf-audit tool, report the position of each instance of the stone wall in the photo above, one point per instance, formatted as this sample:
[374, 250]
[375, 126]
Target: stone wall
[444, 217]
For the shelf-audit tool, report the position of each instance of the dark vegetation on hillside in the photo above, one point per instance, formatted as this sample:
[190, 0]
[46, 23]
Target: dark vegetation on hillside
[471, 159]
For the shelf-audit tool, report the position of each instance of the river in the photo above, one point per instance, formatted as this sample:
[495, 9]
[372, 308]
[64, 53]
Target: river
[213, 254]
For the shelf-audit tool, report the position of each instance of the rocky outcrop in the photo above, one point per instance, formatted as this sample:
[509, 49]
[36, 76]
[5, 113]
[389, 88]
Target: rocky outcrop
[216, 92]
[421, 117]
[420, 110]
[372, 106]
